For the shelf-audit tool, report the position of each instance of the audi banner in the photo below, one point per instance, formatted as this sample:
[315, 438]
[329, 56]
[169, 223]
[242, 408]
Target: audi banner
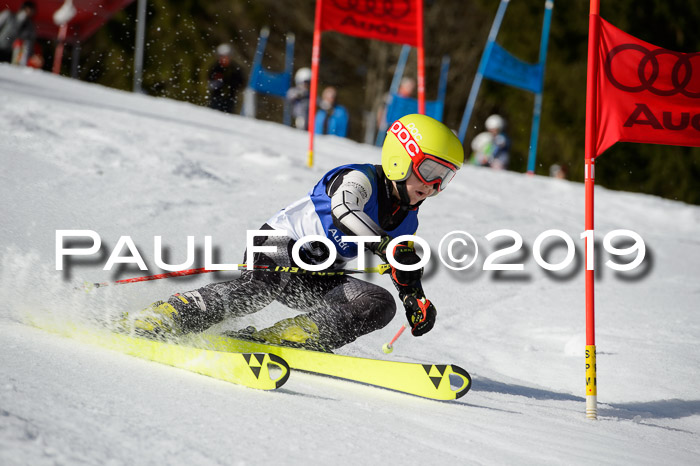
[645, 93]
[387, 20]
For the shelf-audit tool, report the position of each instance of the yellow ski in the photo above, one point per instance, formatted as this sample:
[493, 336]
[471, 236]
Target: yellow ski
[435, 381]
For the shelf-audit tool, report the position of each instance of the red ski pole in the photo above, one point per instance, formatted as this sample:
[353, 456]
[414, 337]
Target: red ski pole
[389, 347]
[179, 273]
[381, 269]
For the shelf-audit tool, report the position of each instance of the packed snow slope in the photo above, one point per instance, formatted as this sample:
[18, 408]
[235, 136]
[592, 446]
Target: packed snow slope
[77, 156]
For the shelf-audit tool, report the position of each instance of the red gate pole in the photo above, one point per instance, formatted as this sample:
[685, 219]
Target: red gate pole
[421, 58]
[590, 148]
[313, 90]
[58, 57]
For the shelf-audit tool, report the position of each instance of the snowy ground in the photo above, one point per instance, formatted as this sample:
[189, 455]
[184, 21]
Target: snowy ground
[79, 156]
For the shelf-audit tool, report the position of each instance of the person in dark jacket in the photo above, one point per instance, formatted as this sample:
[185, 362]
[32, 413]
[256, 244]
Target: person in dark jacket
[17, 26]
[224, 80]
[298, 98]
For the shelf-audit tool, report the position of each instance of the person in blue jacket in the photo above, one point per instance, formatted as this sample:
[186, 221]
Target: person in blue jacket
[331, 118]
[419, 158]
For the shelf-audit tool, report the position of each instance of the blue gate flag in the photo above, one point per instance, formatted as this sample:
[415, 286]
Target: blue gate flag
[504, 68]
[497, 64]
[267, 82]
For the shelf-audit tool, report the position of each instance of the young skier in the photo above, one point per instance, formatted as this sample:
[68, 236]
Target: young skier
[419, 158]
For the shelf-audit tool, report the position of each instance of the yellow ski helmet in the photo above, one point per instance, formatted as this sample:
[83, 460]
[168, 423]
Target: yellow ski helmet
[422, 145]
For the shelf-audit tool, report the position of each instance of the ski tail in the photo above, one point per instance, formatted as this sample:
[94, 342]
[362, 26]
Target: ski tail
[254, 369]
[466, 380]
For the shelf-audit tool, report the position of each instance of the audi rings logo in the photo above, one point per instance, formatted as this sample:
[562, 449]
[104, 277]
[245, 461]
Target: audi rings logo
[682, 73]
[395, 9]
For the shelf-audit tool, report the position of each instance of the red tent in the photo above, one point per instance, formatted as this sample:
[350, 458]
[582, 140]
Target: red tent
[90, 16]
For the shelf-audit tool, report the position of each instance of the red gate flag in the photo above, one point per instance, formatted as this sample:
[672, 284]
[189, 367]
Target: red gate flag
[398, 21]
[387, 20]
[645, 93]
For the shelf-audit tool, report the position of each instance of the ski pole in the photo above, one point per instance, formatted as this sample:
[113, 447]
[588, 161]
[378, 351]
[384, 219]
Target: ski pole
[389, 347]
[179, 273]
[380, 269]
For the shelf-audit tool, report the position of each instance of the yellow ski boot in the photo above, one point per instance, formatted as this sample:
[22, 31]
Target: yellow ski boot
[158, 321]
[297, 332]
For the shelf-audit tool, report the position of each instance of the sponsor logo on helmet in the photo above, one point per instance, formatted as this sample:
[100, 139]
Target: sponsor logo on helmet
[406, 135]
[414, 131]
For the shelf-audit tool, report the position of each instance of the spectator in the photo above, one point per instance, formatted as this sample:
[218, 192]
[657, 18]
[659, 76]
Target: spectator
[557, 171]
[491, 148]
[496, 125]
[482, 148]
[331, 117]
[17, 27]
[298, 98]
[225, 78]
[407, 88]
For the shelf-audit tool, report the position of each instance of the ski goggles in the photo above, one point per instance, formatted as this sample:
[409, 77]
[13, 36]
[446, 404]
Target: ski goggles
[434, 171]
[431, 170]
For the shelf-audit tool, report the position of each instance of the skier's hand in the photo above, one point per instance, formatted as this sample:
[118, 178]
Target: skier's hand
[406, 255]
[380, 247]
[420, 313]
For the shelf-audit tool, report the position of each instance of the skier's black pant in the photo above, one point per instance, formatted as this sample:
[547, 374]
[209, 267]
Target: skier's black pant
[344, 308]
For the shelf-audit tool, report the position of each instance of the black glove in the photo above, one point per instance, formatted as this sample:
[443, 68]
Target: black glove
[380, 247]
[420, 314]
[406, 255]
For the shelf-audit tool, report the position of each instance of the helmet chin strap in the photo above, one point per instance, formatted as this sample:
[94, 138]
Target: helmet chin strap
[404, 198]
